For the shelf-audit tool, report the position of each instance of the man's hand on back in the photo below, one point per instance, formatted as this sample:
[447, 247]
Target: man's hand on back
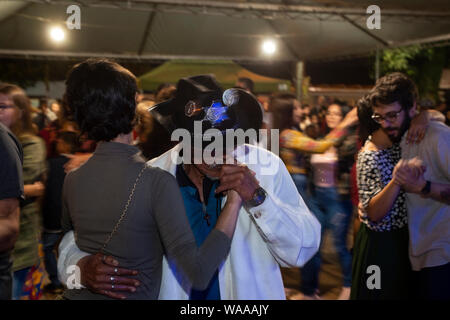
[101, 274]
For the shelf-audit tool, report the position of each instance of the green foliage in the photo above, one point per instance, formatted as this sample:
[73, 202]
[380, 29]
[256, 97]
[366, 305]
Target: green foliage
[423, 65]
[399, 59]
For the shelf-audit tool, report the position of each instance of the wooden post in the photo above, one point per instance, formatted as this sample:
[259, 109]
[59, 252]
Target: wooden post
[377, 64]
[299, 79]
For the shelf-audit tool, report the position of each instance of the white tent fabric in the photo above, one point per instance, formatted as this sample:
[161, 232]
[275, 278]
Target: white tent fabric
[231, 30]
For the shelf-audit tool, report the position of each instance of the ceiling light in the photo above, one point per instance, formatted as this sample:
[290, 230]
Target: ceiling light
[57, 34]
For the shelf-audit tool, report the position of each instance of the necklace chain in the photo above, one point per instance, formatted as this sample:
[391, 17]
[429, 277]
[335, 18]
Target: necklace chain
[124, 210]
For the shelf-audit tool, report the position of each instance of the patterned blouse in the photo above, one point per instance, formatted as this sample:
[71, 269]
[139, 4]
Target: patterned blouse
[374, 171]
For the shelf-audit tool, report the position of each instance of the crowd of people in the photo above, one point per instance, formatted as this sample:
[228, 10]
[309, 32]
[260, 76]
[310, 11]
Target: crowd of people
[92, 181]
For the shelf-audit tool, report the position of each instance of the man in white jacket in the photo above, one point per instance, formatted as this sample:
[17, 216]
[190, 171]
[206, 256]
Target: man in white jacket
[274, 228]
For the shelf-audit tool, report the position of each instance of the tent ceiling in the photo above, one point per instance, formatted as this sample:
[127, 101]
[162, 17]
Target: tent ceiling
[208, 29]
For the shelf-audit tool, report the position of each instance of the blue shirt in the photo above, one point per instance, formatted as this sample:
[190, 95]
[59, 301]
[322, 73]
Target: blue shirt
[202, 219]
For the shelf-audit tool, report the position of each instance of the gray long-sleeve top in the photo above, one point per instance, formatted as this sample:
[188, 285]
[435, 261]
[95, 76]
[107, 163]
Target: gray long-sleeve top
[156, 223]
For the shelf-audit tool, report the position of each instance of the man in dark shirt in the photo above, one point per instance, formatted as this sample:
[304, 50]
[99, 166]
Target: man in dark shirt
[11, 190]
[42, 118]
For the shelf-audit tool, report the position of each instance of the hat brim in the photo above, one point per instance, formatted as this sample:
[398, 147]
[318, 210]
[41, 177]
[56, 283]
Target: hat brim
[162, 112]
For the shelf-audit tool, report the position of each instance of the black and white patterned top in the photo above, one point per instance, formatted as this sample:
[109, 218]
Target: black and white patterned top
[374, 171]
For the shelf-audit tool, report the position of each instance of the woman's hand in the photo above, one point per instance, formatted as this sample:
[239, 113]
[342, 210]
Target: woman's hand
[350, 119]
[234, 198]
[76, 161]
[34, 190]
[418, 128]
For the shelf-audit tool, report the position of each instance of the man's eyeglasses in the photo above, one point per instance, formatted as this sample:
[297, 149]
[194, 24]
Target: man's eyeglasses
[390, 116]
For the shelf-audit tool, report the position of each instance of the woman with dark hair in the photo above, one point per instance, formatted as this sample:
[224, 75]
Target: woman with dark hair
[16, 115]
[101, 95]
[366, 124]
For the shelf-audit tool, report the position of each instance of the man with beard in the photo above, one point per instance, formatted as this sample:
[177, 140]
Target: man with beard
[424, 174]
[381, 266]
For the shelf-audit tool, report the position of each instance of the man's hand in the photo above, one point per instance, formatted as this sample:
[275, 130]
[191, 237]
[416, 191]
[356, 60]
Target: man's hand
[101, 274]
[238, 178]
[410, 175]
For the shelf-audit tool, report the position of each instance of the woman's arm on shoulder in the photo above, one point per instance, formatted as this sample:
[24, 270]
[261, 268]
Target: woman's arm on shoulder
[419, 125]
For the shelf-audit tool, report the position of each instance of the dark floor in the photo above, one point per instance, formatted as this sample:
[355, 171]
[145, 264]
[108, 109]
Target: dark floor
[330, 277]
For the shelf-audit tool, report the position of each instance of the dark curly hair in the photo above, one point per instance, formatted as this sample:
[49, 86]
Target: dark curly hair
[394, 87]
[367, 125]
[101, 96]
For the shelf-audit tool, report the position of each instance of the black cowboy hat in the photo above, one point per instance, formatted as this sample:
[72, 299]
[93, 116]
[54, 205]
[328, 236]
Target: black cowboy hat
[200, 98]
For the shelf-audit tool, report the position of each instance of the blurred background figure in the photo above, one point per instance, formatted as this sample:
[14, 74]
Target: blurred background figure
[313, 130]
[55, 107]
[331, 189]
[52, 127]
[27, 278]
[246, 84]
[11, 192]
[301, 116]
[152, 138]
[67, 144]
[166, 92]
[161, 87]
[44, 116]
[295, 151]
[263, 140]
